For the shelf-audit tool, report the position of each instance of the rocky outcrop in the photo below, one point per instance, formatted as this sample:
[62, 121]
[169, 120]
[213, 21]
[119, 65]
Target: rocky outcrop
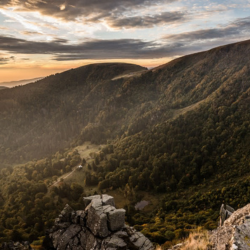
[235, 232]
[225, 212]
[99, 227]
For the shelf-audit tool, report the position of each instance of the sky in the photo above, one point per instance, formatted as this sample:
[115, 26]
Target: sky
[42, 37]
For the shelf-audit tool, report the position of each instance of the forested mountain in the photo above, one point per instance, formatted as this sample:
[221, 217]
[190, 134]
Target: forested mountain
[43, 117]
[19, 83]
[91, 102]
[181, 129]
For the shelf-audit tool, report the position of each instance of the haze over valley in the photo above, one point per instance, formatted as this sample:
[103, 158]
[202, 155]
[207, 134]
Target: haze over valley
[18, 83]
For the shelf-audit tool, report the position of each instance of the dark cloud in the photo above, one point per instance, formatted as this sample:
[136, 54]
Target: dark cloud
[22, 46]
[5, 60]
[239, 27]
[30, 33]
[172, 45]
[91, 49]
[72, 9]
[147, 21]
[60, 40]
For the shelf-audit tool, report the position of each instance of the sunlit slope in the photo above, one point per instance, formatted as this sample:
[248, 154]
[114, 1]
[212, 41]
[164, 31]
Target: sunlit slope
[106, 101]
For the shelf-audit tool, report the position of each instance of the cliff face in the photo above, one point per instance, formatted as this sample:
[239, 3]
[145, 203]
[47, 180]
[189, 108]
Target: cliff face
[102, 227]
[235, 232]
[99, 227]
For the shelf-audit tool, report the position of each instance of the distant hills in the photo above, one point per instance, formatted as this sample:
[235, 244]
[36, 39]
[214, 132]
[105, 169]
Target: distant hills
[18, 83]
[51, 114]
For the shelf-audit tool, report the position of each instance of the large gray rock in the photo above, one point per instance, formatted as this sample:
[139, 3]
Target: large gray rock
[65, 215]
[99, 227]
[106, 199]
[113, 242]
[103, 217]
[97, 219]
[116, 219]
[69, 234]
[234, 234]
[138, 240]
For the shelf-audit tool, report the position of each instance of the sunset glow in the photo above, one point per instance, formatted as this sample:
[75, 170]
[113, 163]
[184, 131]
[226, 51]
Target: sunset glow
[38, 38]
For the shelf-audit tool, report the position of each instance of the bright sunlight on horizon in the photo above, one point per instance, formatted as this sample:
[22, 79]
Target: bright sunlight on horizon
[39, 38]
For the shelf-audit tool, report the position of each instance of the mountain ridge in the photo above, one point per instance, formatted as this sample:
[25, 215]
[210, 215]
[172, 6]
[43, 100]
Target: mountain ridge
[163, 83]
[11, 84]
[178, 132]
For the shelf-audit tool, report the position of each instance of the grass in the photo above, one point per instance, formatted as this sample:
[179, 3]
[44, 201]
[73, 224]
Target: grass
[85, 149]
[37, 244]
[120, 200]
[78, 176]
[153, 201]
[197, 240]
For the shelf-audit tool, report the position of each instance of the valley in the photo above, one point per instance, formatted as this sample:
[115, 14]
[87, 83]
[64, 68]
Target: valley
[176, 136]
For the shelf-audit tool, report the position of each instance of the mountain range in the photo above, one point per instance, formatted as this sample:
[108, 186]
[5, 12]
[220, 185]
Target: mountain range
[180, 131]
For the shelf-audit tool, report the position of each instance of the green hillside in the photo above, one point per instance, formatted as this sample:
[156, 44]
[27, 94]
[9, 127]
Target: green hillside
[41, 118]
[179, 132]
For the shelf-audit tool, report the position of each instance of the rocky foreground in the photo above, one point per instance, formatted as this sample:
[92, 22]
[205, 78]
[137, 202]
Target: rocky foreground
[99, 227]
[234, 234]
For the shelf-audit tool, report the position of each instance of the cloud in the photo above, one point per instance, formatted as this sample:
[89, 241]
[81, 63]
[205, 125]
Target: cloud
[19, 18]
[73, 9]
[90, 49]
[170, 46]
[6, 60]
[147, 21]
[240, 27]
[31, 33]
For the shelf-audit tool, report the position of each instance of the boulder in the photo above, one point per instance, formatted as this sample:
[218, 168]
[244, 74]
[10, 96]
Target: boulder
[97, 219]
[67, 235]
[235, 231]
[65, 215]
[106, 199]
[99, 227]
[116, 219]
